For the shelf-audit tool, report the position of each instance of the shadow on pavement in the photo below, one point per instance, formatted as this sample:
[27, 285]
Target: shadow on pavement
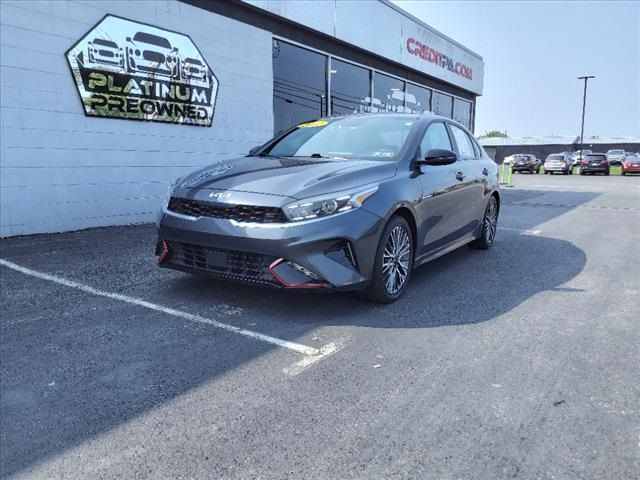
[75, 366]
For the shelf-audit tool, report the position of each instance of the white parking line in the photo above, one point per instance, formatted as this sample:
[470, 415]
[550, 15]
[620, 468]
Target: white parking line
[526, 232]
[312, 355]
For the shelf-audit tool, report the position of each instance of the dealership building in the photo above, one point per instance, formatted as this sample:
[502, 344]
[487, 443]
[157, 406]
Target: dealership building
[104, 104]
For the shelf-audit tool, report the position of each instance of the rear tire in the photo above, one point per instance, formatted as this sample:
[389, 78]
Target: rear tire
[607, 172]
[393, 263]
[489, 226]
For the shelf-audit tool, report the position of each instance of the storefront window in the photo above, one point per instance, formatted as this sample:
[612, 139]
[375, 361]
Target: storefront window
[462, 112]
[299, 85]
[349, 88]
[417, 99]
[442, 104]
[388, 93]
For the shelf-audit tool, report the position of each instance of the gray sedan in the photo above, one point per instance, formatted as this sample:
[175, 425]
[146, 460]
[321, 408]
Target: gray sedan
[344, 203]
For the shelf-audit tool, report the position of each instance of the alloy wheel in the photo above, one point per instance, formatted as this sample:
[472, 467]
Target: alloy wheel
[396, 260]
[491, 220]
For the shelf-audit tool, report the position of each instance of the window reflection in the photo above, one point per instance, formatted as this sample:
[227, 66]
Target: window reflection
[299, 85]
[349, 88]
[418, 99]
[442, 104]
[462, 112]
[388, 94]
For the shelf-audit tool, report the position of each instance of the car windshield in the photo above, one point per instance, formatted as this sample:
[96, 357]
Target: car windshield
[152, 39]
[555, 157]
[616, 152]
[376, 138]
[105, 43]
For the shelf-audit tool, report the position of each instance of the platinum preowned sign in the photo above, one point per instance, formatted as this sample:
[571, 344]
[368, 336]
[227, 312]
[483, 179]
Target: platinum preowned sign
[131, 70]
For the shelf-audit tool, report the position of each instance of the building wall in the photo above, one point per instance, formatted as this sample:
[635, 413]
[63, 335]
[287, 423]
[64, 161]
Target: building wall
[61, 170]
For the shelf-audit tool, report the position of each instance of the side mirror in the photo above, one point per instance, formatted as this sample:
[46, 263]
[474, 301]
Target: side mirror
[438, 156]
[254, 150]
[128, 39]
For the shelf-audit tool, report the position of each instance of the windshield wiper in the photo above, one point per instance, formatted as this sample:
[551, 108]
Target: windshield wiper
[319, 155]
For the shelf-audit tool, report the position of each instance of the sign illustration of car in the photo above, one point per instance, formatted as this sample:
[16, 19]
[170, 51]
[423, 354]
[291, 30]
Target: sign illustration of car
[105, 51]
[194, 69]
[152, 54]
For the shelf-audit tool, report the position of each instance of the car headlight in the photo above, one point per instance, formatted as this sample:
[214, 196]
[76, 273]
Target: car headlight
[326, 205]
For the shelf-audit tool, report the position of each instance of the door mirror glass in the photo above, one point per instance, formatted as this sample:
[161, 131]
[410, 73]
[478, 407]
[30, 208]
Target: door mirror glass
[254, 150]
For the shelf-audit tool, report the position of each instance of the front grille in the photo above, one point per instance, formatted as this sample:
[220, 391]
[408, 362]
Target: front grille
[240, 213]
[226, 264]
[152, 56]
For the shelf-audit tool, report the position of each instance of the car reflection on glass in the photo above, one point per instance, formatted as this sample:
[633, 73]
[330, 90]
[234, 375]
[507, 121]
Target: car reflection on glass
[101, 51]
[152, 54]
[342, 203]
[194, 69]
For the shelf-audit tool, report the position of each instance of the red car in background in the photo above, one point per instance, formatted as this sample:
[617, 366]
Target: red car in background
[631, 163]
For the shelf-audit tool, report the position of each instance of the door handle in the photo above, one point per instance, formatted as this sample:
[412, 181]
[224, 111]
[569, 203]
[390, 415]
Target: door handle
[460, 176]
[485, 172]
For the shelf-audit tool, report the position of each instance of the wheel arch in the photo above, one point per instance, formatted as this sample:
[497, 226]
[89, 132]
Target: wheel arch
[407, 214]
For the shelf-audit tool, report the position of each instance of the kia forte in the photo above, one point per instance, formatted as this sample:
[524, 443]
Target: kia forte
[343, 203]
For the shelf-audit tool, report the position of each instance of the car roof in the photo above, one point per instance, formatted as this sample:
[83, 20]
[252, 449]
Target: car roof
[411, 116]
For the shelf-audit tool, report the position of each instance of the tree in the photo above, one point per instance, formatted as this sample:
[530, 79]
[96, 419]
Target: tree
[494, 133]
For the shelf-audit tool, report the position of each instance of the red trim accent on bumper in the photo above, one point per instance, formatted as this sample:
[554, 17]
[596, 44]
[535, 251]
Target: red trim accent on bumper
[294, 285]
[164, 253]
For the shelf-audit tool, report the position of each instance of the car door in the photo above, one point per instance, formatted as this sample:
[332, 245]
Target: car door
[438, 192]
[471, 175]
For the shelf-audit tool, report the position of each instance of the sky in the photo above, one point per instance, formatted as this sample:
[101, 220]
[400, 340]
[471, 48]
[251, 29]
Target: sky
[534, 52]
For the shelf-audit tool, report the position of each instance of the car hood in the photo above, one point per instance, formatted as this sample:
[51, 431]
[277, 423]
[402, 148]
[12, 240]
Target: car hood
[287, 178]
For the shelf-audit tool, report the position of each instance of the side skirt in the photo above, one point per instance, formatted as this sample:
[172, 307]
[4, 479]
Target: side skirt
[427, 257]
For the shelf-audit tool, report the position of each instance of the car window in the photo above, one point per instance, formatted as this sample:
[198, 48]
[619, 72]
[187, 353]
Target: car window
[436, 136]
[465, 147]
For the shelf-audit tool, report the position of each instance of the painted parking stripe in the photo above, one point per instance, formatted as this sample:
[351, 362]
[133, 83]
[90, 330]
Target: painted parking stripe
[312, 355]
[523, 231]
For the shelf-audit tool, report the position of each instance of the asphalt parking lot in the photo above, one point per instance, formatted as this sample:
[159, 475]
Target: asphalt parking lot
[519, 362]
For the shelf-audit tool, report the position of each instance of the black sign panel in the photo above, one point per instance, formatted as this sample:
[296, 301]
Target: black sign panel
[125, 69]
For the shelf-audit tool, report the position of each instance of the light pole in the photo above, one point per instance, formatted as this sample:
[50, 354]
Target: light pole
[584, 102]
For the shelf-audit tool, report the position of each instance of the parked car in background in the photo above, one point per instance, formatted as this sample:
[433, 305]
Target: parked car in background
[577, 156]
[594, 163]
[525, 163]
[615, 157]
[631, 163]
[558, 162]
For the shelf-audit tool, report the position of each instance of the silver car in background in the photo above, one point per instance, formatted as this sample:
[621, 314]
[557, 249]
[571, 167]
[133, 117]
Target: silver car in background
[615, 157]
[558, 162]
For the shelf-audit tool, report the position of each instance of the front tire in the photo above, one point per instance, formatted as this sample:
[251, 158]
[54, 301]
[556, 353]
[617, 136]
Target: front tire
[489, 226]
[393, 264]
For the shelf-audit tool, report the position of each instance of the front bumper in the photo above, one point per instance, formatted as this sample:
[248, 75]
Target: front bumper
[338, 251]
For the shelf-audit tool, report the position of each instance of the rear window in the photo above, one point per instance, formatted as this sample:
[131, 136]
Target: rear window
[595, 157]
[555, 157]
[616, 152]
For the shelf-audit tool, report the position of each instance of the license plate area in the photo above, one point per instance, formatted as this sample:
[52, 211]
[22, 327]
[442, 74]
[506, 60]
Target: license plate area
[216, 259]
